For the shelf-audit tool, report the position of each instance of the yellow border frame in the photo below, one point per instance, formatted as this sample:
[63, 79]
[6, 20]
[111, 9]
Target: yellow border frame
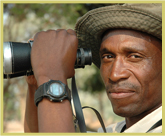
[74, 1]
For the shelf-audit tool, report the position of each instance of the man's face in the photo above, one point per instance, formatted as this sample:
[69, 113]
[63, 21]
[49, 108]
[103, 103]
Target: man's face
[131, 69]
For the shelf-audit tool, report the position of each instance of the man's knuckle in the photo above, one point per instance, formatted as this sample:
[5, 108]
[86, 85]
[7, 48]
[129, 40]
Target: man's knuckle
[75, 39]
[50, 31]
[39, 34]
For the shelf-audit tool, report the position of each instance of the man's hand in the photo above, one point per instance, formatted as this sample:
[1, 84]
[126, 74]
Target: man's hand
[53, 55]
[32, 82]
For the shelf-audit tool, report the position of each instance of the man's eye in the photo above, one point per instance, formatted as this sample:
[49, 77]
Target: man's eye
[107, 56]
[135, 56]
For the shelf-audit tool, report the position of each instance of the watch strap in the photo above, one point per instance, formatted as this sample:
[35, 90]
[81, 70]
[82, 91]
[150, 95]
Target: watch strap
[39, 94]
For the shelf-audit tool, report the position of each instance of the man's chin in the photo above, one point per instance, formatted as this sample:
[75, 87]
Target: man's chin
[124, 111]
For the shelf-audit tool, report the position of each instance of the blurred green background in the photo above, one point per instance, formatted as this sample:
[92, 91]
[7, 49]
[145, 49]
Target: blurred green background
[20, 23]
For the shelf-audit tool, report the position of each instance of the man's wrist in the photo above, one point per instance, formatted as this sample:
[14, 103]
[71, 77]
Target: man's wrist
[32, 88]
[44, 79]
[54, 90]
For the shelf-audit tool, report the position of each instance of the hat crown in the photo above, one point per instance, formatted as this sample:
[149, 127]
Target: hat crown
[151, 8]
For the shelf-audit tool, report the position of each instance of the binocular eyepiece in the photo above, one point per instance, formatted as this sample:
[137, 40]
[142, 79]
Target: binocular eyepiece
[16, 59]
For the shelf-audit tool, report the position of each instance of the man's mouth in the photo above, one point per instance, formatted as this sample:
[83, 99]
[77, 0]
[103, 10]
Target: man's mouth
[121, 93]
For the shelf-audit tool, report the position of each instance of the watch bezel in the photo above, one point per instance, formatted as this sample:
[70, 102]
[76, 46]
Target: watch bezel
[63, 95]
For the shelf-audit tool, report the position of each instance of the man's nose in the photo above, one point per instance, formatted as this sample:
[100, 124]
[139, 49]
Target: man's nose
[118, 70]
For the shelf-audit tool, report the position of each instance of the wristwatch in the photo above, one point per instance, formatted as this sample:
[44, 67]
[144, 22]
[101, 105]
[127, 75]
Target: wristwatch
[54, 90]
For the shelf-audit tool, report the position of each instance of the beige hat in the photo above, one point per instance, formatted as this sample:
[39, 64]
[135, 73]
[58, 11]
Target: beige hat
[141, 17]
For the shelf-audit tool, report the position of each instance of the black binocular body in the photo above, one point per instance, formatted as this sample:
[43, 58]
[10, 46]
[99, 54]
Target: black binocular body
[17, 62]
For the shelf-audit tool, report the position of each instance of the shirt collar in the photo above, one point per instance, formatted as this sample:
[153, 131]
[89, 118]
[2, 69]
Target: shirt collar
[146, 123]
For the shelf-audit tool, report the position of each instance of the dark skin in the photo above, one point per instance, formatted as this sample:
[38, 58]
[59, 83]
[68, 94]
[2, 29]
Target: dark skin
[52, 57]
[131, 68]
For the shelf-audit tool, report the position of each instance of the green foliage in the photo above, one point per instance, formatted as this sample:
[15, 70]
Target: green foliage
[48, 13]
[10, 100]
[94, 82]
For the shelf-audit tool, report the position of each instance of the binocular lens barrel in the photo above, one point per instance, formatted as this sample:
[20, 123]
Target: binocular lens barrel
[16, 59]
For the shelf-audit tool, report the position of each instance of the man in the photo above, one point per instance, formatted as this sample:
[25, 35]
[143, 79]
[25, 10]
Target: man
[126, 46]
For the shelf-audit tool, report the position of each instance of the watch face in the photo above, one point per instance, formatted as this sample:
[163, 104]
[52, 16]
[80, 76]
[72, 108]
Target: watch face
[56, 89]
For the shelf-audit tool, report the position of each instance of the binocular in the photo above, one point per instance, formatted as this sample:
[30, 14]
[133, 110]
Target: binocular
[16, 59]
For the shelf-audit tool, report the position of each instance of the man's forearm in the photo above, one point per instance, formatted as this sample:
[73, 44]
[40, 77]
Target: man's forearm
[55, 116]
[31, 117]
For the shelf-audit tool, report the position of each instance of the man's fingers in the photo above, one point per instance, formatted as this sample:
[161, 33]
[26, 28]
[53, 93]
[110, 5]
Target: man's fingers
[59, 30]
[70, 31]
